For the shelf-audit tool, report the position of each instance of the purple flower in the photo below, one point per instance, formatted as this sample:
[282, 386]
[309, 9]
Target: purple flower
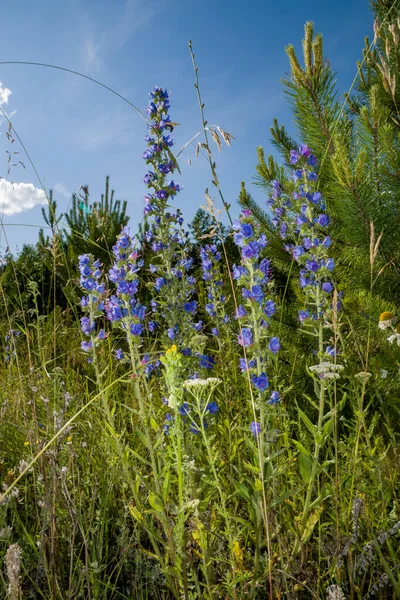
[304, 150]
[184, 409]
[87, 326]
[190, 307]
[274, 345]
[303, 315]
[255, 428]
[87, 346]
[206, 361]
[274, 398]
[244, 365]
[240, 312]
[245, 338]
[212, 408]
[327, 287]
[248, 252]
[297, 252]
[238, 271]
[260, 381]
[322, 220]
[269, 308]
[294, 157]
[136, 329]
[255, 293]
[119, 354]
[330, 264]
[246, 230]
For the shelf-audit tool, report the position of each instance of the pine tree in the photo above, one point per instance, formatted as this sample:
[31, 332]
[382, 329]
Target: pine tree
[356, 141]
[93, 227]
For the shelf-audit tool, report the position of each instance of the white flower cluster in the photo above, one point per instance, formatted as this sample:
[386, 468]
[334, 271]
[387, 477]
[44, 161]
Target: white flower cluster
[327, 370]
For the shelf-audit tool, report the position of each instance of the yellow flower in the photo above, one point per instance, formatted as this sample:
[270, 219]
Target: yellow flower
[238, 553]
[26, 443]
[385, 320]
[172, 350]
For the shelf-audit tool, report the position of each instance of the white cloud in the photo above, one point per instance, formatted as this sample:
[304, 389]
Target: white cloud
[90, 56]
[61, 189]
[4, 94]
[19, 197]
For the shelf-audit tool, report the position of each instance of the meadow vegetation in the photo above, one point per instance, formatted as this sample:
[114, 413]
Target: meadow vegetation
[211, 411]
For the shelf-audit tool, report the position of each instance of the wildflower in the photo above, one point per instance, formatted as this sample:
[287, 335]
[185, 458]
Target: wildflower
[255, 428]
[212, 407]
[184, 409]
[394, 338]
[335, 592]
[245, 338]
[274, 398]
[384, 373]
[206, 361]
[260, 381]
[244, 365]
[385, 320]
[202, 383]
[274, 345]
[363, 376]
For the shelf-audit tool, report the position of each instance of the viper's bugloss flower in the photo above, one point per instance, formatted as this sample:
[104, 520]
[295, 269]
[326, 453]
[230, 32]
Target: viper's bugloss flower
[274, 398]
[245, 365]
[254, 277]
[274, 345]
[301, 219]
[212, 408]
[245, 338]
[184, 409]
[93, 303]
[190, 307]
[260, 381]
[255, 428]
[206, 362]
[11, 347]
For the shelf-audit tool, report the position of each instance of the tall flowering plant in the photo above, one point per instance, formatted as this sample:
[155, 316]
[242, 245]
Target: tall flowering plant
[253, 276]
[92, 303]
[210, 257]
[299, 213]
[172, 285]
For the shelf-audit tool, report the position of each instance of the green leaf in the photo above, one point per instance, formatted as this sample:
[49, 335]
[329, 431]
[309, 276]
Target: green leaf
[310, 426]
[242, 490]
[305, 465]
[311, 523]
[155, 502]
[305, 461]
[301, 448]
[166, 484]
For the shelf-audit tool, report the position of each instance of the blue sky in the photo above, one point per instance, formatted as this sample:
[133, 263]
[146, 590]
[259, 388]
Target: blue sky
[77, 133]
